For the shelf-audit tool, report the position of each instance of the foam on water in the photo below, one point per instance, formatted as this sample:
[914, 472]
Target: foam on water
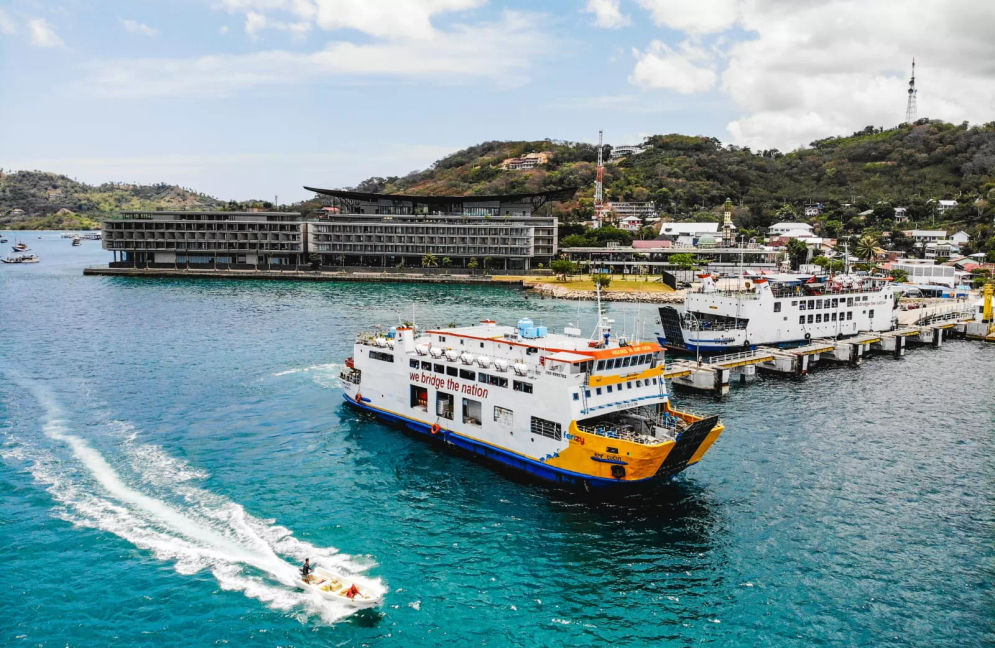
[150, 499]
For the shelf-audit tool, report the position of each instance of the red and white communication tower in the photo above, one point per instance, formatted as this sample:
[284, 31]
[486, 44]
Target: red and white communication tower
[599, 183]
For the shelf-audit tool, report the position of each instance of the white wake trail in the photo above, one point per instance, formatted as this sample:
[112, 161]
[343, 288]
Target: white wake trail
[198, 530]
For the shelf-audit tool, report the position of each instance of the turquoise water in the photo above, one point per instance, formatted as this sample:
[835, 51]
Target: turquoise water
[172, 449]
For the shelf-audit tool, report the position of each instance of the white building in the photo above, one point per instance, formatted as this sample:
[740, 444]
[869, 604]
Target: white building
[944, 205]
[924, 272]
[630, 223]
[688, 233]
[960, 238]
[781, 229]
[812, 210]
[901, 214]
[623, 151]
[922, 237]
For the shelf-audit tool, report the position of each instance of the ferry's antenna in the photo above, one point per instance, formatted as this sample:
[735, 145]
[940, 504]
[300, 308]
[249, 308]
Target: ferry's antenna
[910, 106]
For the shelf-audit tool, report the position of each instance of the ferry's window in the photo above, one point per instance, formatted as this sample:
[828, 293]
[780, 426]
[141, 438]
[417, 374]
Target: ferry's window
[870, 313]
[794, 302]
[427, 366]
[609, 389]
[413, 364]
[503, 415]
[451, 371]
[587, 393]
[467, 375]
[498, 381]
[777, 307]
[849, 301]
[601, 365]
[439, 369]
[639, 383]
[811, 318]
[481, 345]
[598, 391]
[628, 385]
[801, 319]
[545, 428]
[482, 377]
[522, 386]
[471, 411]
[626, 362]
[835, 303]
[378, 355]
[849, 316]
[654, 381]
[818, 303]
[444, 405]
[801, 306]
[419, 397]
[818, 318]
[442, 338]
[576, 396]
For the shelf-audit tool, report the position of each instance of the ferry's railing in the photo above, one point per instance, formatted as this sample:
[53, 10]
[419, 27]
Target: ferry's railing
[622, 432]
[731, 357]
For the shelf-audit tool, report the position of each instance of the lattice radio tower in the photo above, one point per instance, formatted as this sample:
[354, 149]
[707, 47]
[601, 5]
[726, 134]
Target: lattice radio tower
[599, 183]
[910, 107]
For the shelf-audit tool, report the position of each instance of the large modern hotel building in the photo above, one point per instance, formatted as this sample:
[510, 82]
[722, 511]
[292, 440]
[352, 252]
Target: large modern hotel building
[365, 229]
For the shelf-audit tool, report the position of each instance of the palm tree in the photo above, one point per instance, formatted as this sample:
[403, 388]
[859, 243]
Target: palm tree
[429, 261]
[865, 246]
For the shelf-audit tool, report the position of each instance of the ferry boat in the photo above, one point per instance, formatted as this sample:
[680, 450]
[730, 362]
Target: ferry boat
[586, 413]
[778, 310]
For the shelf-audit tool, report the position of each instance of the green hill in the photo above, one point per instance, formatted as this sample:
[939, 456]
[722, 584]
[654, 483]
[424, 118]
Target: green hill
[40, 200]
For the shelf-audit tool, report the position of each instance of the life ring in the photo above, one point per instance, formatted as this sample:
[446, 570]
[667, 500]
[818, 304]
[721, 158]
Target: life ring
[808, 336]
[359, 397]
[436, 428]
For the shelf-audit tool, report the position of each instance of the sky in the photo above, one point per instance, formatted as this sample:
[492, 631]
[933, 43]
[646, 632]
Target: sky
[249, 99]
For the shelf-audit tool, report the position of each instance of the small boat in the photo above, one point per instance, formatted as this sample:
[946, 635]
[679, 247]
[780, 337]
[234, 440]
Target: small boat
[342, 589]
[28, 258]
[12, 260]
[20, 247]
[77, 241]
[2, 240]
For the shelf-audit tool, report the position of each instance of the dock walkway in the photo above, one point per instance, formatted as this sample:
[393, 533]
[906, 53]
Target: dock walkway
[715, 373]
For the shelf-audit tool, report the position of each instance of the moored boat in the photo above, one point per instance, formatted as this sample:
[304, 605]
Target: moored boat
[778, 310]
[578, 412]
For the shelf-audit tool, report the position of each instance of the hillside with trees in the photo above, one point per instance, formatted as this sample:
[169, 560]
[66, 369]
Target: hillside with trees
[40, 200]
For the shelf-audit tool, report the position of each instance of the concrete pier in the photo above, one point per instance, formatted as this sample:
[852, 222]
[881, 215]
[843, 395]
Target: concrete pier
[715, 374]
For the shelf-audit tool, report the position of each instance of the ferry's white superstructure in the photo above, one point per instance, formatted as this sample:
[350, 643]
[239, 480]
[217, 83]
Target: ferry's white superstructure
[783, 309]
[556, 405]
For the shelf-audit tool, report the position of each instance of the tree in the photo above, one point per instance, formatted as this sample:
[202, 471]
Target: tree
[562, 267]
[899, 275]
[446, 262]
[472, 264]
[823, 262]
[487, 262]
[684, 260]
[865, 246]
[315, 261]
[797, 252]
[429, 261]
[832, 228]
[602, 280]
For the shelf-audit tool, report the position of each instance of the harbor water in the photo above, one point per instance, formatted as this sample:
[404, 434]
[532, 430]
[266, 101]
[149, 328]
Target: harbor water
[172, 450]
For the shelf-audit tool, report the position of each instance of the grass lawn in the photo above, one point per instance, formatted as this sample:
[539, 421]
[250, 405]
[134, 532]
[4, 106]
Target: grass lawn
[619, 284]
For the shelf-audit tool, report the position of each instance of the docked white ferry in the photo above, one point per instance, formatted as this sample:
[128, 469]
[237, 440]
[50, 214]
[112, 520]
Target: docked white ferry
[586, 413]
[778, 310]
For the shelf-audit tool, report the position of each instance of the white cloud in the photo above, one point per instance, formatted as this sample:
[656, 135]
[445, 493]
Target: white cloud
[42, 34]
[500, 51]
[698, 17]
[391, 19]
[135, 27]
[7, 25]
[607, 13]
[830, 68]
[808, 70]
[254, 22]
[661, 67]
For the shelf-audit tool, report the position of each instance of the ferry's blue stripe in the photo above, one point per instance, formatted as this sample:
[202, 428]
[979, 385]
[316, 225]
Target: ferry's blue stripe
[505, 457]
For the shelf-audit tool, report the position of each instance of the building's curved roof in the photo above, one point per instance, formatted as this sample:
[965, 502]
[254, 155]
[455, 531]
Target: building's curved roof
[539, 196]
